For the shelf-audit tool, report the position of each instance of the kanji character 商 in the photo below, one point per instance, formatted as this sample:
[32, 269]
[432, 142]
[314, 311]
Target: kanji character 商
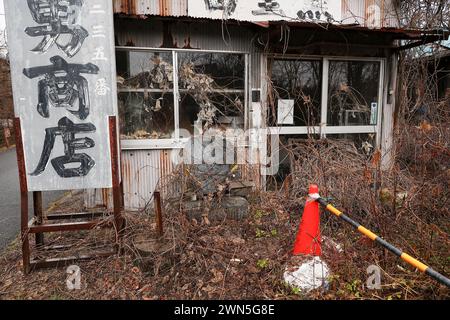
[61, 85]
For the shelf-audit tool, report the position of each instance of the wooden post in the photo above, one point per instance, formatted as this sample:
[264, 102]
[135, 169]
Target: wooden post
[158, 213]
[38, 214]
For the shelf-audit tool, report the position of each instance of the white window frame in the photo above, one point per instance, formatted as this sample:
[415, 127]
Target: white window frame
[324, 129]
[177, 142]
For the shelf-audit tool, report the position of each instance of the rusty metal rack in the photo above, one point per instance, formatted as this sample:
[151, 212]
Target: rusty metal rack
[39, 225]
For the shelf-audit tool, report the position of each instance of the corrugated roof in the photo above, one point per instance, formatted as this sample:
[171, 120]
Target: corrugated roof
[375, 15]
[165, 8]
[368, 13]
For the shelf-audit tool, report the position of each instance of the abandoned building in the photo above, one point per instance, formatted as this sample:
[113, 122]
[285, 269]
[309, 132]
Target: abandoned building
[323, 69]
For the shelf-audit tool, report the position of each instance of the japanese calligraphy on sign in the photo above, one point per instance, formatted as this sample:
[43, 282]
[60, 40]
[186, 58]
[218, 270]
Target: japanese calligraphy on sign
[63, 73]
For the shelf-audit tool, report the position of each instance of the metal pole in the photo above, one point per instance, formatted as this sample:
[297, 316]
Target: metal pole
[119, 221]
[38, 214]
[404, 256]
[24, 230]
[158, 213]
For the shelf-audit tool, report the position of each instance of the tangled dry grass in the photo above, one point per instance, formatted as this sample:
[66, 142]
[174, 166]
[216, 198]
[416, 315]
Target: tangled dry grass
[407, 204]
[246, 259]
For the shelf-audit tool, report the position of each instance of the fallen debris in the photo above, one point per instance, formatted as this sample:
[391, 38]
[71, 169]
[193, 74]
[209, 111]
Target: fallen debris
[308, 275]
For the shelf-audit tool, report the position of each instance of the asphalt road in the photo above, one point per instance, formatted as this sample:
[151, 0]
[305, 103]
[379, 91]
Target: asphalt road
[10, 198]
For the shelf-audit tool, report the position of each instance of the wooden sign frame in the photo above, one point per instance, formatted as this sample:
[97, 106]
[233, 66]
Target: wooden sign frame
[41, 224]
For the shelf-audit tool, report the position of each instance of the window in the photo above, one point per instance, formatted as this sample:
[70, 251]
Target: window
[212, 90]
[162, 91]
[146, 115]
[146, 100]
[333, 98]
[227, 70]
[145, 70]
[298, 82]
[353, 93]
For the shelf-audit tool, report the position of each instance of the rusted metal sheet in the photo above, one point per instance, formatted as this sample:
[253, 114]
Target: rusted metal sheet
[143, 171]
[23, 196]
[165, 8]
[166, 168]
[95, 198]
[368, 13]
[140, 177]
[183, 35]
[158, 212]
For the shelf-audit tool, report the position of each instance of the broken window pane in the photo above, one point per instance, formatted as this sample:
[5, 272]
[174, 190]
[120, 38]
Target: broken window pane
[296, 93]
[212, 90]
[353, 95]
[226, 69]
[146, 115]
[225, 111]
[149, 70]
[146, 103]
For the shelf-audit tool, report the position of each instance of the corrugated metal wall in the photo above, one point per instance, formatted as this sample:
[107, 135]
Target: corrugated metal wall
[370, 13]
[94, 198]
[141, 173]
[152, 7]
[353, 11]
[142, 170]
[153, 33]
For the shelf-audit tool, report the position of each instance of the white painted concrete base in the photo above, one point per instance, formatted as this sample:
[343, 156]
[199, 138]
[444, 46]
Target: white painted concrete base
[311, 274]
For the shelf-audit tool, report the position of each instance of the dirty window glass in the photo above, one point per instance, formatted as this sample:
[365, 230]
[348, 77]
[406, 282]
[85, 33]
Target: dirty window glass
[212, 87]
[353, 93]
[145, 86]
[146, 115]
[225, 111]
[296, 92]
[227, 70]
[149, 70]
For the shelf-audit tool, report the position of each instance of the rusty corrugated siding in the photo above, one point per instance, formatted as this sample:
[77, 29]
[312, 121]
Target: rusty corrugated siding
[140, 177]
[141, 173]
[183, 35]
[95, 198]
[173, 8]
[353, 11]
[166, 168]
[361, 12]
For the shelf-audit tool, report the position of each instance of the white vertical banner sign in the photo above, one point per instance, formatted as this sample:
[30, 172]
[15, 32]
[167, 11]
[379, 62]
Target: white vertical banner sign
[63, 73]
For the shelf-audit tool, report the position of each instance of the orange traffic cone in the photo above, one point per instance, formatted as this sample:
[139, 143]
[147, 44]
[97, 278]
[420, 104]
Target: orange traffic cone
[308, 237]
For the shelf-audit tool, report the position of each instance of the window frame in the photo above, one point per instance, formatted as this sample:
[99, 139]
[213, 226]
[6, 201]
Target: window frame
[177, 142]
[324, 129]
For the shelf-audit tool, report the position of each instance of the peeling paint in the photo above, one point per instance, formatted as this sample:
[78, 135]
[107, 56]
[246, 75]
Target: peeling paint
[353, 11]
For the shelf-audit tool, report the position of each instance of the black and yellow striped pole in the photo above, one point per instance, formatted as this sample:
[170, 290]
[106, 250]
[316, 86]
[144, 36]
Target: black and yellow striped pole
[404, 256]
